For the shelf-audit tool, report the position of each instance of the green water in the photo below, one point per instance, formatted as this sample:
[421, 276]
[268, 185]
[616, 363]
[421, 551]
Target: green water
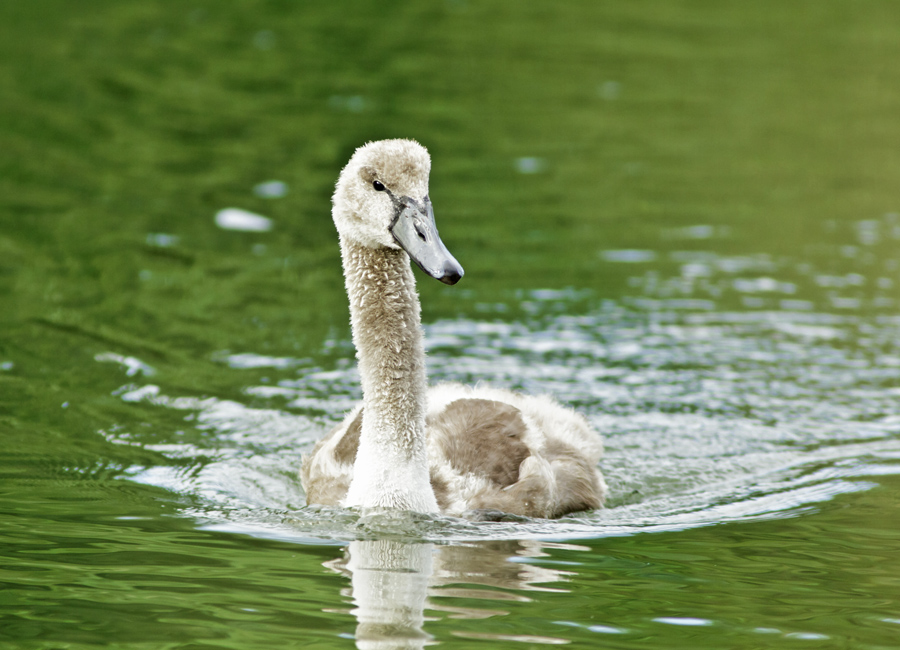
[682, 218]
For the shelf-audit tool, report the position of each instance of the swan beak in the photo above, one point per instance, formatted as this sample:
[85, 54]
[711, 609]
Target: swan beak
[415, 231]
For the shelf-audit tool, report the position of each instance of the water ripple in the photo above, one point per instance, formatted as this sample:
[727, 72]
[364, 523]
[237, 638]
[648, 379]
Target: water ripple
[708, 417]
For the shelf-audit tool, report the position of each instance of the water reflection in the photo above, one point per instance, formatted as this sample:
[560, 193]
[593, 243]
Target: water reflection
[393, 582]
[389, 586]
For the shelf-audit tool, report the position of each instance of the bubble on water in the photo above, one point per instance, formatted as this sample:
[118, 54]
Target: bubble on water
[687, 621]
[606, 629]
[242, 220]
[868, 232]
[530, 165]
[250, 360]
[628, 256]
[599, 629]
[763, 285]
[161, 239]
[133, 366]
[840, 281]
[696, 270]
[700, 231]
[138, 394]
[271, 189]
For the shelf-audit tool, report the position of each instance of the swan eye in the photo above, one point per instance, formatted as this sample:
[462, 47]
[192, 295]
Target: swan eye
[379, 186]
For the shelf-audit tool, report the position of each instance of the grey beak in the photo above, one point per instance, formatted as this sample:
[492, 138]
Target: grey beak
[415, 231]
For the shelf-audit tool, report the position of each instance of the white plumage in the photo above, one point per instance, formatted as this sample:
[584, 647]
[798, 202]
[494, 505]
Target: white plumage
[453, 449]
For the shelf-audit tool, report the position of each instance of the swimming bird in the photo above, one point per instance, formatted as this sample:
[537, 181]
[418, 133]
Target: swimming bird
[452, 449]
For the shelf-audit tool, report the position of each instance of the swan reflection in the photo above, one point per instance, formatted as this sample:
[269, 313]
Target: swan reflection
[393, 582]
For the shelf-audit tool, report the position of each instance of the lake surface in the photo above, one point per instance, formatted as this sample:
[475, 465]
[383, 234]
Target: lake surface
[682, 219]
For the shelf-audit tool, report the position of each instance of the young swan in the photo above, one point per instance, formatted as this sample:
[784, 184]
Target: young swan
[450, 449]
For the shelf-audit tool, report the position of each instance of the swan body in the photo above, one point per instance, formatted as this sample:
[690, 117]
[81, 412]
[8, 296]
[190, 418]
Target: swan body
[452, 449]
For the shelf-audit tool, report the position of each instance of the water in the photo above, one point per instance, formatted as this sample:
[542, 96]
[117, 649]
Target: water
[681, 219]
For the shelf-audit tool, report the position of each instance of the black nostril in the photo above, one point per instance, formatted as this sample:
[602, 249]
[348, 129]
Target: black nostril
[421, 233]
[452, 273]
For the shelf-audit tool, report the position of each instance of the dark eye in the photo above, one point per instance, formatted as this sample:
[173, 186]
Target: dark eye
[379, 186]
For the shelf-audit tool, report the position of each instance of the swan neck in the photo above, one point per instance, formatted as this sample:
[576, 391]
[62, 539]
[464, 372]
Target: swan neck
[387, 332]
[386, 323]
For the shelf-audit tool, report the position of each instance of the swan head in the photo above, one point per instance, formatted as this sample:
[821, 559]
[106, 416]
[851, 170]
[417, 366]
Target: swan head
[381, 201]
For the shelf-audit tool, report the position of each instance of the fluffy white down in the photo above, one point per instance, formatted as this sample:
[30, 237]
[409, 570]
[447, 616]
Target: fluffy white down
[545, 420]
[451, 448]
